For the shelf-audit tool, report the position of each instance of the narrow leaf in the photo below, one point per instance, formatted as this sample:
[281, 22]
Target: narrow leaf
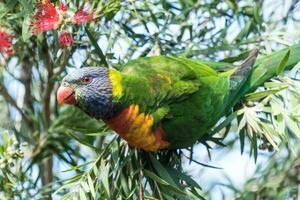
[97, 48]
[82, 194]
[91, 186]
[104, 176]
[254, 146]
[242, 140]
[256, 96]
[283, 63]
[155, 177]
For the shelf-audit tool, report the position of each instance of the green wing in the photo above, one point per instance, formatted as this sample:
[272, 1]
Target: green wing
[157, 81]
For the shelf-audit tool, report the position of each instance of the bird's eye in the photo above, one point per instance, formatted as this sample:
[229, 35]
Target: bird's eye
[87, 80]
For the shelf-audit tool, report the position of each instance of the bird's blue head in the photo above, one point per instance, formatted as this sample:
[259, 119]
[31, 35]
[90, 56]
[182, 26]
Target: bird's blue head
[90, 89]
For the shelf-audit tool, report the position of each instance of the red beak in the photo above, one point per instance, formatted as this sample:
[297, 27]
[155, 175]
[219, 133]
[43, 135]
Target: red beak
[66, 95]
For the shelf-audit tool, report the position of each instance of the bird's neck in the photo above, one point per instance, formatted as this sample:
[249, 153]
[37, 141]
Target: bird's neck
[115, 78]
[121, 88]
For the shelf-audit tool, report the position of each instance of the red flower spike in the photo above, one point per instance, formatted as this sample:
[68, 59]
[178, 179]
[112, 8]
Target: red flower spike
[45, 18]
[6, 47]
[63, 7]
[65, 39]
[84, 15]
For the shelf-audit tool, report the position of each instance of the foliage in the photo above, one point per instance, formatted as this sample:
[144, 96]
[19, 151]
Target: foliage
[14, 181]
[278, 180]
[101, 165]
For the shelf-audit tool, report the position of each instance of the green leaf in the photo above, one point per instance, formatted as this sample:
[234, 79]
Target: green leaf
[80, 139]
[109, 9]
[124, 184]
[269, 133]
[283, 63]
[69, 184]
[257, 16]
[161, 170]
[104, 172]
[241, 56]
[242, 140]
[276, 85]
[155, 177]
[245, 31]
[97, 48]
[78, 166]
[25, 29]
[162, 181]
[11, 179]
[95, 170]
[82, 194]
[254, 146]
[85, 186]
[224, 123]
[153, 17]
[232, 4]
[7, 7]
[91, 186]
[256, 96]
[178, 174]
[27, 9]
[293, 126]
[71, 118]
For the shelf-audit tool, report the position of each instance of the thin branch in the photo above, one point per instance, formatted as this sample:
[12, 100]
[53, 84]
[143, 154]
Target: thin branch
[48, 162]
[65, 56]
[49, 85]
[4, 93]
[26, 79]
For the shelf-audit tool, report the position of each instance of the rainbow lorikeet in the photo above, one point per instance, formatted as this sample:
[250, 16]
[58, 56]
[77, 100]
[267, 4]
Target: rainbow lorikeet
[167, 102]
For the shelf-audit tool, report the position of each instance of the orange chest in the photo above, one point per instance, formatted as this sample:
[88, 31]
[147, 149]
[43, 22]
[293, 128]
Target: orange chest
[137, 129]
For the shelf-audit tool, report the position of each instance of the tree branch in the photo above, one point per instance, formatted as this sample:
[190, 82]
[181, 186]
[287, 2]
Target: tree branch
[48, 162]
[65, 57]
[4, 93]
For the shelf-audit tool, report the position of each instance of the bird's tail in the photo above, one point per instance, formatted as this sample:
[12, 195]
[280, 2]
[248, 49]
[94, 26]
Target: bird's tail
[241, 74]
[254, 72]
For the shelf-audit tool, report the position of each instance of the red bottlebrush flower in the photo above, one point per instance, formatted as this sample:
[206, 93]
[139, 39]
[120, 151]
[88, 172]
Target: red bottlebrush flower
[45, 18]
[63, 7]
[65, 39]
[6, 48]
[84, 15]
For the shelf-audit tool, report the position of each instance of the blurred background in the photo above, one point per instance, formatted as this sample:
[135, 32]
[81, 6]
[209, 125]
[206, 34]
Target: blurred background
[52, 152]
